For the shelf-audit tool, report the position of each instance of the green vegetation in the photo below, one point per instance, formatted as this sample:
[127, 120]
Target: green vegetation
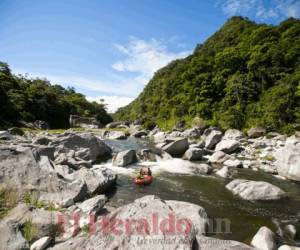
[8, 200]
[31, 198]
[29, 230]
[246, 74]
[24, 99]
[269, 158]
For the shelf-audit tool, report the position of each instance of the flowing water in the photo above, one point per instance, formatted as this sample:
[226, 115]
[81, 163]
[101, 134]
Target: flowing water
[174, 180]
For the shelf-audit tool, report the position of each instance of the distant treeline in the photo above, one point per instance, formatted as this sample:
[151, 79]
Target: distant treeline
[24, 99]
[246, 74]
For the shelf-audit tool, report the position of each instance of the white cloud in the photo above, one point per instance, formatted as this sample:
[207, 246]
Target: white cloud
[141, 60]
[261, 9]
[115, 85]
[145, 57]
[113, 102]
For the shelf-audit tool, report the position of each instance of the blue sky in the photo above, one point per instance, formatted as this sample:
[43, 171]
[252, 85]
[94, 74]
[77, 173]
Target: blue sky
[111, 48]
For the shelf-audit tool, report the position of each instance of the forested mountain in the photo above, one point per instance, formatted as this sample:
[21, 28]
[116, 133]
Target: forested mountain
[23, 99]
[245, 74]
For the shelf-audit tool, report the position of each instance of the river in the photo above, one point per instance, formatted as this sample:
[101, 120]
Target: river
[174, 180]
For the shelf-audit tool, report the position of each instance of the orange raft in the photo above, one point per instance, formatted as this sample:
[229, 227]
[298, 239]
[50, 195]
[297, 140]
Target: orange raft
[146, 180]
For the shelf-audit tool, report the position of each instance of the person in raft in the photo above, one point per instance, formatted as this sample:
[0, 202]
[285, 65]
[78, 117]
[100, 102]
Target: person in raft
[144, 177]
[144, 172]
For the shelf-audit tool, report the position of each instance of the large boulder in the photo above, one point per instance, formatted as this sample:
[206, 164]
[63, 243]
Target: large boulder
[154, 224]
[159, 137]
[124, 158]
[84, 122]
[41, 124]
[288, 160]
[219, 157]
[233, 134]
[153, 154]
[116, 135]
[255, 190]
[5, 135]
[34, 172]
[224, 172]
[213, 138]
[41, 243]
[193, 132]
[176, 147]
[98, 179]
[11, 237]
[194, 154]
[43, 221]
[256, 132]
[86, 146]
[228, 146]
[264, 239]
[113, 124]
[140, 133]
[93, 205]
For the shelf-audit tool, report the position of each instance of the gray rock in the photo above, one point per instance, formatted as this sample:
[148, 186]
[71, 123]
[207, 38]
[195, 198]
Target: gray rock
[98, 179]
[208, 243]
[63, 170]
[290, 230]
[11, 237]
[213, 138]
[227, 146]
[44, 221]
[159, 137]
[286, 247]
[37, 173]
[202, 168]
[84, 122]
[256, 132]
[116, 135]
[41, 124]
[92, 147]
[177, 147]
[223, 172]
[45, 151]
[93, 205]
[113, 124]
[192, 132]
[255, 190]
[124, 158]
[144, 209]
[41, 140]
[5, 135]
[219, 157]
[72, 162]
[288, 161]
[153, 155]
[264, 239]
[140, 133]
[233, 134]
[194, 154]
[41, 244]
[234, 163]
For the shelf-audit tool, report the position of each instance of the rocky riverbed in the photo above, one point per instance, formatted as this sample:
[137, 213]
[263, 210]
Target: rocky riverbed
[211, 190]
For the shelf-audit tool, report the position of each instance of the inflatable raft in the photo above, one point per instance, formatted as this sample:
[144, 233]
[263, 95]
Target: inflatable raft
[146, 180]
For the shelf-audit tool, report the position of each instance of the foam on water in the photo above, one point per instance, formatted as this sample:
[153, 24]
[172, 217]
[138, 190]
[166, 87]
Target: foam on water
[175, 166]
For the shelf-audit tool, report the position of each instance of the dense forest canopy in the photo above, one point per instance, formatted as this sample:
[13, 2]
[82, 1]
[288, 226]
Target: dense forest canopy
[246, 74]
[23, 99]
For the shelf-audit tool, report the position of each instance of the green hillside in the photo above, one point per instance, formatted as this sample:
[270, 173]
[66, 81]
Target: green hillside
[245, 74]
[24, 99]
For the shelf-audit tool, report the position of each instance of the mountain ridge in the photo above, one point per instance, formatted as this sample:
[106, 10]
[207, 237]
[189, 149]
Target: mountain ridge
[245, 74]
